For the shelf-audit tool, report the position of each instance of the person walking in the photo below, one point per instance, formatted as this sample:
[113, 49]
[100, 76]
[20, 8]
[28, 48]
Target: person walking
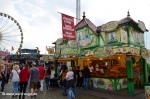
[75, 80]
[52, 77]
[63, 75]
[24, 77]
[86, 76]
[3, 80]
[8, 71]
[41, 75]
[70, 83]
[15, 79]
[34, 73]
[47, 78]
[79, 77]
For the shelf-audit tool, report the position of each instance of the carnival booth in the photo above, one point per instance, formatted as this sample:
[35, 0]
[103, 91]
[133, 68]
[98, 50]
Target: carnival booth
[115, 53]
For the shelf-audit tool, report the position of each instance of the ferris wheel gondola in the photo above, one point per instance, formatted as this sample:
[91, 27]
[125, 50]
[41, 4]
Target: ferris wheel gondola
[11, 34]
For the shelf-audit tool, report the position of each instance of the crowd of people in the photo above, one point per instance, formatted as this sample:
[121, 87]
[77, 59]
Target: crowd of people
[32, 77]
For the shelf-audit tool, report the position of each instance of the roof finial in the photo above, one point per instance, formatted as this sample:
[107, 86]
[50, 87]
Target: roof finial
[83, 15]
[128, 14]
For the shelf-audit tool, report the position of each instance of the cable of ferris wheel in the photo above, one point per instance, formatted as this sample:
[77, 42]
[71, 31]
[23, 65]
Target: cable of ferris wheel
[8, 27]
[1, 20]
[5, 23]
[11, 31]
[10, 40]
[12, 35]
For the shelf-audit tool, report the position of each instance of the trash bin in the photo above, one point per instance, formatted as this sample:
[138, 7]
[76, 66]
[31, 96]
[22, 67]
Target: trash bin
[147, 92]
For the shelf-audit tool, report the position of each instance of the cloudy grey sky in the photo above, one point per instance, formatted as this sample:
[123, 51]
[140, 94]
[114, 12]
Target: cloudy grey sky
[41, 22]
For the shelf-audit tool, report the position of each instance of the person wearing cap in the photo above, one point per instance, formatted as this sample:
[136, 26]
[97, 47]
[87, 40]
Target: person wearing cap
[41, 75]
[34, 73]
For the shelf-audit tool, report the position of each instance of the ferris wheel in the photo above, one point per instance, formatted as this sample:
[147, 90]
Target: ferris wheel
[11, 35]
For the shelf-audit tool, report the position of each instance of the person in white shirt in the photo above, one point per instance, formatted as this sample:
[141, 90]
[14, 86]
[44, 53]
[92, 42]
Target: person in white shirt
[15, 79]
[52, 78]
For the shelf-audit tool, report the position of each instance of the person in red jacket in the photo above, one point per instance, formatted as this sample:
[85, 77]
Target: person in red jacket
[24, 77]
[41, 75]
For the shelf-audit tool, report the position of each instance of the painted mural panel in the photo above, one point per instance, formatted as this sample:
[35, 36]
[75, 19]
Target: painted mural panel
[118, 34]
[122, 84]
[68, 49]
[101, 83]
[108, 84]
[103, 51]
[123, 36]
[86, 38]
[112, 37]
[142, 39]
[137, 37]
[131, 34]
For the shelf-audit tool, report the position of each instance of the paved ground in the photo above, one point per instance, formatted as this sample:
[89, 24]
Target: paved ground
[81, 94]
[52, 94]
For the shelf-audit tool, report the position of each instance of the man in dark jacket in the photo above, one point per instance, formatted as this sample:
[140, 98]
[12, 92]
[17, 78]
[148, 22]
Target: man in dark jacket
[86, 76]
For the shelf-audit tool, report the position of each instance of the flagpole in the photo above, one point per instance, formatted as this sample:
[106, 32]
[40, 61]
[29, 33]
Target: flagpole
[68, 15]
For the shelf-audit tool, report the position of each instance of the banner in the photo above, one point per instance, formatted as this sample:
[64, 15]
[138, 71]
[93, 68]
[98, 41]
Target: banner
[68, 28]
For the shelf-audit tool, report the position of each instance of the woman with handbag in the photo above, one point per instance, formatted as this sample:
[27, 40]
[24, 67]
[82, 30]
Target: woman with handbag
[15, 79]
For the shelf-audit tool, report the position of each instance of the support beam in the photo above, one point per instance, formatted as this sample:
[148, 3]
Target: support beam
[130, 75]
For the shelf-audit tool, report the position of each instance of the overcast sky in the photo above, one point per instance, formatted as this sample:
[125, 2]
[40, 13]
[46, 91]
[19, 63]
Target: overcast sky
[41, 22]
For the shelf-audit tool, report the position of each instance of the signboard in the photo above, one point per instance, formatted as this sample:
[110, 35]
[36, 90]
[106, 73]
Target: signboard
[50, 50]
[69, 51]
[141, 25]
[110, 26]
[128, 50]
[103, 51]
[31, 51]
[68, 28]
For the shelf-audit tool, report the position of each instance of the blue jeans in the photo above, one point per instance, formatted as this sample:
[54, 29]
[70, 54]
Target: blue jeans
[3, 85]
[70, 94]
[15, 87]
[64, 92]
[47, 80]
[28, 86]
[86, 83]
[74, 89]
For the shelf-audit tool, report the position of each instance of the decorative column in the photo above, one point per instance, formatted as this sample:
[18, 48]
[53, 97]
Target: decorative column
[130, 75]
[145, 73]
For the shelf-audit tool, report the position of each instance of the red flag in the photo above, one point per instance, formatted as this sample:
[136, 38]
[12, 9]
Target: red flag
[12, 48]
[68, 28]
